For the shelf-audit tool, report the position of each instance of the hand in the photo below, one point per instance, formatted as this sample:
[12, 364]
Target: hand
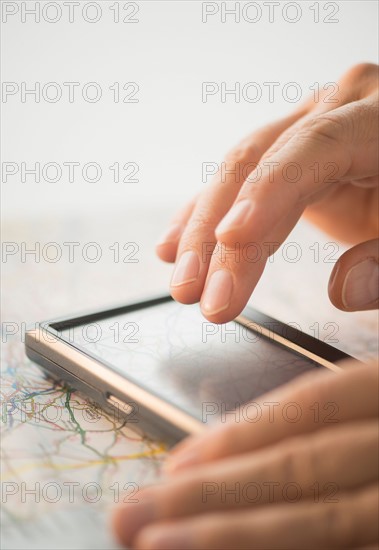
[321, 161]
[276, 483]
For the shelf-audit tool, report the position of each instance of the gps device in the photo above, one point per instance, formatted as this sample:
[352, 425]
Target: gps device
[167, 369]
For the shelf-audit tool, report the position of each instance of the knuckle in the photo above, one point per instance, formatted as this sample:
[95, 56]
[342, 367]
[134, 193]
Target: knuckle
[361, 71]
[360, 80]
[342, 525]
[203, 223]
[288, 464]
[233, 156]
[278, 143]
[326, 127]
[244, 151]
[335, 525]
[312, 461]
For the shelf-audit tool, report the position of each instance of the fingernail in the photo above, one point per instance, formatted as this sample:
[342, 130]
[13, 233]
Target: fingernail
[333, 276]
[236, 217]
[187, 269]
[132, 517]
[361, 285]
[218, 292]
[171, 235]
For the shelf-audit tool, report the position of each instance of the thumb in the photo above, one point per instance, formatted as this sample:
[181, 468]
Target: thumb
[354, 282]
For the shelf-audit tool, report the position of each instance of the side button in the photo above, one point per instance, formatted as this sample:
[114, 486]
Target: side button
[125, 408]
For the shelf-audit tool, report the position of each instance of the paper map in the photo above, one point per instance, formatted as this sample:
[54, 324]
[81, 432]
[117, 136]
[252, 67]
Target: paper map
[65, 462]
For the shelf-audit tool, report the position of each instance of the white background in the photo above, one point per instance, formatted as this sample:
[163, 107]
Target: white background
[170, 52]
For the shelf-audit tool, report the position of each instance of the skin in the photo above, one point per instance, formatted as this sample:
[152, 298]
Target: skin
[335, 451]
[344, 203]
[330, 453]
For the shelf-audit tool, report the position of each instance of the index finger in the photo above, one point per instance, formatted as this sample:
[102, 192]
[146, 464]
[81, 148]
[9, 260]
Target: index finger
[198, 238]
[345, 139]
[274, 196]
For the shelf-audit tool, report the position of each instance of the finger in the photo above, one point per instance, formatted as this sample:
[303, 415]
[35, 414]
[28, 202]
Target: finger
[366, 183]
[354, 282]
[321, 400]
[349, 213]
[198, 239]
[167, 245]
[235, 270]
[356, 83]
[288, 472]
[349, 522]
[345, 138]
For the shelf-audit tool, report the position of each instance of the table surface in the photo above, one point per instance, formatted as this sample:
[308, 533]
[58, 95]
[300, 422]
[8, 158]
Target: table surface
[65, 462]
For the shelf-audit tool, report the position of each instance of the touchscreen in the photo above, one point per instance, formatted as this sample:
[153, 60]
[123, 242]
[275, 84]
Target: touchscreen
[203, 368]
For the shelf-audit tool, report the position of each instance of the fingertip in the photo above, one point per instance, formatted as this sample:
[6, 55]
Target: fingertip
[167, 245]
[220, 303]
[334, 287]
[354, 281]
[218, 318]
[186, 282]
[360, 288]
[187, 294]
[166, 251]
[117, 520]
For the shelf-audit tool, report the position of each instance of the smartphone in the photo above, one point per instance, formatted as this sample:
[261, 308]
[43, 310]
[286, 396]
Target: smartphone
[168, 370]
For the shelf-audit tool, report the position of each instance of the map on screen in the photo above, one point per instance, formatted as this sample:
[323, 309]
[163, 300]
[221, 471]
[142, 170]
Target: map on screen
[203, 368]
